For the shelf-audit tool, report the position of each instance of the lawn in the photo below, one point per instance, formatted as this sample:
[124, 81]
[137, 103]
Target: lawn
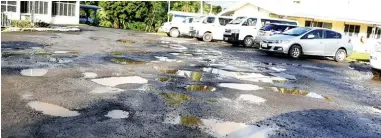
[359, 56]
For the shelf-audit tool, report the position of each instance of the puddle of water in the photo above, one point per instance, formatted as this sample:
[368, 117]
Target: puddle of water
[33, 72]
[251, 99]
[126, 61]
[117, 114]
[277, 69]
[61, 52]
[100, 90]
[296, 91]
[117, 53]
[166, 59]
[253, 77]
[284, 75]
[174, 98]
[200, 88]
[163, 79]
[51, 109]
[90, 75]
[64, 60]
[43, 54]
[219, 128]
[239, 86]
[12, 54]
[193, 75]
[211, 100]
[114, 81]
[178, 47]
[125, 41]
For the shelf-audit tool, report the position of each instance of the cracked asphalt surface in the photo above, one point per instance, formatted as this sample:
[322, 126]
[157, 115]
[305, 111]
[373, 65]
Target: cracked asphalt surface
[171, 87]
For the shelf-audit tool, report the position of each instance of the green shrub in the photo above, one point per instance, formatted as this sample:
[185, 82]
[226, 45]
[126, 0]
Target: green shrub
[21, 23]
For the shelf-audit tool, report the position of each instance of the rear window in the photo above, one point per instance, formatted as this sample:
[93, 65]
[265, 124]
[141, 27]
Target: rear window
[332, 35]
[280, 28]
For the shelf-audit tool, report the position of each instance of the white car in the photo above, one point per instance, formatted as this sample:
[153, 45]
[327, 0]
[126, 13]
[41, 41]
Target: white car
[245, 29]
[375, 58]
[176, 29]
[210, 28]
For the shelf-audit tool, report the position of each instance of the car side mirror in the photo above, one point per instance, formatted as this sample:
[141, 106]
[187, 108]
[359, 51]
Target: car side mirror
[310, 36]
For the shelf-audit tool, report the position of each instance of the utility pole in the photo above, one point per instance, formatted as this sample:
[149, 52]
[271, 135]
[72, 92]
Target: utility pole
[169, 9]
[202, 10]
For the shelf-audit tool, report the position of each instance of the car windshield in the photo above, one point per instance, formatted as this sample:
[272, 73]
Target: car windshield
[238, 20]
[296, 31]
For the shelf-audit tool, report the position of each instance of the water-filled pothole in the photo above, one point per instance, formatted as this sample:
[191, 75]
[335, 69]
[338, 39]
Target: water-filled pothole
[174, 98]
[164, 79]
[126, 61]
[125, 41]
[299, 92]
[200, 88]
[192, 75]
[11, 54]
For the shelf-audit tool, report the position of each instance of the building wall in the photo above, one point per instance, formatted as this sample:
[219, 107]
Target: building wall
[251, 10]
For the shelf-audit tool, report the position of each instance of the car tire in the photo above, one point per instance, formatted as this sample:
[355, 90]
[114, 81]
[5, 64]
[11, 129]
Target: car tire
[207, 37]
[174, 32]
[295, 51]
[376, 74]
[248, 41]
[340, 55]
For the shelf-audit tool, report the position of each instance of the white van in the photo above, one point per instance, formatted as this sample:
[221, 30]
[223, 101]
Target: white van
[245, 29]
[375, 58]
[210, 28]
[176, 29]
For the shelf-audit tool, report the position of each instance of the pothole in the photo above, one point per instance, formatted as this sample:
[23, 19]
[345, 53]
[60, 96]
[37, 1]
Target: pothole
[251, 99]
[164, 79]
[192, 75]
[51, 109]
[33, 72]
[114, 81]
[125, 41]
[200, 88]
[126, 61]
[299, 92]
[174, 98]
[12, 54]
[117, 114]
[239, 86]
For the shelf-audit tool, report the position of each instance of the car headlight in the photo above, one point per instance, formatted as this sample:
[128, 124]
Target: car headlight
[282, 41]
[235, 30]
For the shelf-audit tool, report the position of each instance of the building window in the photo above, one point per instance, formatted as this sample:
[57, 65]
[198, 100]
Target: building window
[377, 33]
[8, 6]
[318, 24]
[40, 7]
[63, 8]
[352, 30]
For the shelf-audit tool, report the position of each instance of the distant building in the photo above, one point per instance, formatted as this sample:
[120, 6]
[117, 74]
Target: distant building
[55, 12]
[359, 20]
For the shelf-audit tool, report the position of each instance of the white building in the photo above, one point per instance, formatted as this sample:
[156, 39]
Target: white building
[54, 12]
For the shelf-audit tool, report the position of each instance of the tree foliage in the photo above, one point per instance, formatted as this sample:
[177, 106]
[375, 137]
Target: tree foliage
[142, 15]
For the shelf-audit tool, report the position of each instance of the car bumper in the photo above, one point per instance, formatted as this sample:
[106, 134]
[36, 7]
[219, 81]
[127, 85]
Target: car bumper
[231, 37]
[375, 60]
[275, 48]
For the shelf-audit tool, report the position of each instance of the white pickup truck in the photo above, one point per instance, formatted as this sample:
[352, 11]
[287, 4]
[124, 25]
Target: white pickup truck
[375, 58]
[245, 29]
[210, 28]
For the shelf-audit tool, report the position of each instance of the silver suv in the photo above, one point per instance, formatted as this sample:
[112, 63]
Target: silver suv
[309, 41]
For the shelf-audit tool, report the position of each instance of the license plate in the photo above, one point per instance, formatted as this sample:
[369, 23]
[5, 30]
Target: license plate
[264, 45]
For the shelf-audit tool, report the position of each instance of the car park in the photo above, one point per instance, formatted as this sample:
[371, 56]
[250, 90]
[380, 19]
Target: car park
[309, 41]
[269, 30]
[375, 59]
[243, 30]
[210, 28]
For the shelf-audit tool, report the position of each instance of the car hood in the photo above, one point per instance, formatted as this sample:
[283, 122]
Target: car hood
[281, 37]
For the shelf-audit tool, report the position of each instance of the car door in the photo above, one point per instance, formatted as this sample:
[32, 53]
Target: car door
[249, 27]
[331, 42]
[219, 27]
[185, 26]
[315, 45]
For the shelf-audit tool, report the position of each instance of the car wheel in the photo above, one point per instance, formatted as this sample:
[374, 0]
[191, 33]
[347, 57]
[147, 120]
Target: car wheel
[248, 41]
[207, 37]
[295, 51]
[376, 74]
[174, 32]
[340, 55]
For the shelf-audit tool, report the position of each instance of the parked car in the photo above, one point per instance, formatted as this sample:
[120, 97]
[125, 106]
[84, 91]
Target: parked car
[85, 20]
[375, 59]
[243, 30]
[301, 41]
[176, 29]
[210, 28]
[269, 30]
